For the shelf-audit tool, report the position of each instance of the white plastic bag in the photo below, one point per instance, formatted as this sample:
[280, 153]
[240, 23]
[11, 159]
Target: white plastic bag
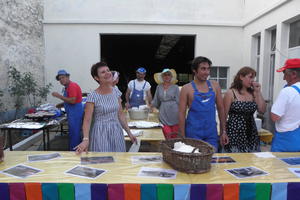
[135, 147]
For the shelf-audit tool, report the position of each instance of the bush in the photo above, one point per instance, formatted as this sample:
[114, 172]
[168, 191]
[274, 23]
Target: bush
[24, 87]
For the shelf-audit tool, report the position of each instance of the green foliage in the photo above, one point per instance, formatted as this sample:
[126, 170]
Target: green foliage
[23, 86]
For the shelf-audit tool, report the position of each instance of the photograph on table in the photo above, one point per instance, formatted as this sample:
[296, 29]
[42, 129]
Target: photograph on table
[157, 173]
[246, 172]
[43, 157]
[96, 160]
[146, 159]
[291, 160]
[85, 172]
[222, 159]
[295, 171]
[21, 171]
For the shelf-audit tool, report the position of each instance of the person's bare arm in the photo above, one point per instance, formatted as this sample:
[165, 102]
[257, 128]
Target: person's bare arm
[71, 100]
[149, 97]
[127, 105]
[124, 123]
[274, 117]
[220, 107]
[183, 103]
[259, 99]
[88, 115]
[60, 105]
[227, 100]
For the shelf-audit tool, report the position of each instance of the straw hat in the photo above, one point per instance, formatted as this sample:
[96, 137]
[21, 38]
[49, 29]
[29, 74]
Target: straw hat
[158, 76]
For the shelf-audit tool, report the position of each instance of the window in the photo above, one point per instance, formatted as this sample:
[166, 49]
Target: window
[257, 56]
[294, 34]
[220, 74]
[184, 78]
[272, 62]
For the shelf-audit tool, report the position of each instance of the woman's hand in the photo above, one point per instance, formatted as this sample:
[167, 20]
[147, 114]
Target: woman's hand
[83, 146]
[256, 86]
[224, 139]
[127, 106]
[1, 155]
[132, 138]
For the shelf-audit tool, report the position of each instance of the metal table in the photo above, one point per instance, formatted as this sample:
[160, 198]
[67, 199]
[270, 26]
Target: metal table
[25, 124]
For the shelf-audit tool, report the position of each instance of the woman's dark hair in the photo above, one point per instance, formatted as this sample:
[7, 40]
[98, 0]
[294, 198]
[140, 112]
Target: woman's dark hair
[237, 82]
[95, 67]
[198, 60]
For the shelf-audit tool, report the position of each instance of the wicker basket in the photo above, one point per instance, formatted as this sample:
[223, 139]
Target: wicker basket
[188, 162]
[138, 114]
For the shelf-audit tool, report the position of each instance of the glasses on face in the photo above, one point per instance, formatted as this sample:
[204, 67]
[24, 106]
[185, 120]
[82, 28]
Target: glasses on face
[166, 74]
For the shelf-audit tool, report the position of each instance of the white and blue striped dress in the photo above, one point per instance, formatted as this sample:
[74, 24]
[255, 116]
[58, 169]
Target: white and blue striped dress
[106, 134]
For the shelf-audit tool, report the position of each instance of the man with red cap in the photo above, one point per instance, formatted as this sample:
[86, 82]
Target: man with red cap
[285, 111]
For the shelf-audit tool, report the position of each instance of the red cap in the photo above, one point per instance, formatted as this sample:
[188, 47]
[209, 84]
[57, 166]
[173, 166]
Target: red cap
[290, 64]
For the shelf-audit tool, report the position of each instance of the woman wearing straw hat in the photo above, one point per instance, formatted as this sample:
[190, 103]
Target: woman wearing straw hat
[166, 99]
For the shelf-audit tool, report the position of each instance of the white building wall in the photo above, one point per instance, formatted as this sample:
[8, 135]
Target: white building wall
[255, 8]
[278, 16]
[223, 31]
[145, 11]
[75, 47]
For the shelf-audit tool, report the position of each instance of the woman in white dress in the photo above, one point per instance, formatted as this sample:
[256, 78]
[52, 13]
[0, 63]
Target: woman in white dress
[104, 108]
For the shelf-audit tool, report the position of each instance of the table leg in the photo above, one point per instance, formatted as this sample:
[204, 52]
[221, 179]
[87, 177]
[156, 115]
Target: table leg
[48, 139]
[10, 139]
[44, 140]
[61, 129]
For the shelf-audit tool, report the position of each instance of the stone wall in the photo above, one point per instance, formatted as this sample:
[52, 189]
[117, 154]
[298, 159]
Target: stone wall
[21, 42]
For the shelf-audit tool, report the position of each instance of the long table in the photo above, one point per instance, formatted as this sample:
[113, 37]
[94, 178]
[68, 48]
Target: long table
[123, 174]
[156, 135]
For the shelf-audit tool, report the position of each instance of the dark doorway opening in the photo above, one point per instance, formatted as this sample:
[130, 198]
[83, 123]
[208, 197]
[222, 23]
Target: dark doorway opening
[126, 52]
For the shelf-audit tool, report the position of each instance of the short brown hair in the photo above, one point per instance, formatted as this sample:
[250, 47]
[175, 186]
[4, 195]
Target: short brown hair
[95, 67]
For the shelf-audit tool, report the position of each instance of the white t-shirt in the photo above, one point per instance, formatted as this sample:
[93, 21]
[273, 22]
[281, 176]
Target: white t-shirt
[287, 106]
[139, 86]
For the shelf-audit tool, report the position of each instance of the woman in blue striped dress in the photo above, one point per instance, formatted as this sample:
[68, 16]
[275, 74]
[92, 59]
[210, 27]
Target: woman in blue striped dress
[104, 108]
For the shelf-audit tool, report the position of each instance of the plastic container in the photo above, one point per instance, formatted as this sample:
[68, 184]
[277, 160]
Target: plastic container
[137, 114]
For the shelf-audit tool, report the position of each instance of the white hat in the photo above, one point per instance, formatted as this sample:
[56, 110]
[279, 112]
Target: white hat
[158, 76]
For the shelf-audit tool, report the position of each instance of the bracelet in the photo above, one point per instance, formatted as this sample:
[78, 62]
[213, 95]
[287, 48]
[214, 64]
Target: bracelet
[85, 139]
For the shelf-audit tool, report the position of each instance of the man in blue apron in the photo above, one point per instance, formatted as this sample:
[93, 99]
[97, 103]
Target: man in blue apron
[285, 111]
[201, 97]
[72, 97]
[138, 90]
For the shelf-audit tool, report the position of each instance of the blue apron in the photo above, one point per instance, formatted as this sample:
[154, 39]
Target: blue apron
[74, 115]
[201, 120]
[137, 96]
[288, 141]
